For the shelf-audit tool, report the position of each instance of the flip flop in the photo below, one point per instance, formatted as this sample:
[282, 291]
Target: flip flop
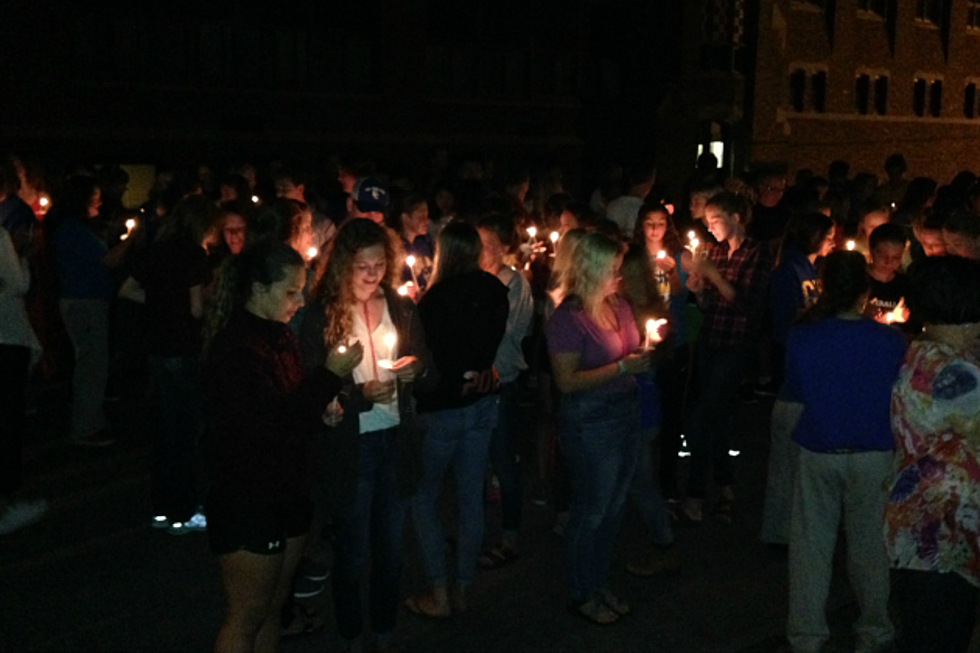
[497, 557]
[305, 622]
[593, 611]
[416, 605]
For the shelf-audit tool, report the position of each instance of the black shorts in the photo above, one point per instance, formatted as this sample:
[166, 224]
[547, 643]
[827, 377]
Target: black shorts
[256, 527]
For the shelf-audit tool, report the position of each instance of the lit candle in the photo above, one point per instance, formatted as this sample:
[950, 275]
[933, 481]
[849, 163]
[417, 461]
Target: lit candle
[311, 252]
[554, 237]
[898, 314]
[532, 232]
[410, 262]
[850, 245]
[691, 235]
[389, 341]
[341, 349]
[130, 225]
[255, 199]
[44, 201]
[661, 254]
[403, 290]
[653, 333]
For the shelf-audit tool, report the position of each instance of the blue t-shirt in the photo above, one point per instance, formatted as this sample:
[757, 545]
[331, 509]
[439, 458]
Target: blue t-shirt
[793, 286]
[79, 253]
[842, 371]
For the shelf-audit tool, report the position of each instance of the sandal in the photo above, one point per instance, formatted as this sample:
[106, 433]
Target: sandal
[305, 622]
[425, 605]
[723, 511]
[614, 603]
[497, 557]
[594, 611]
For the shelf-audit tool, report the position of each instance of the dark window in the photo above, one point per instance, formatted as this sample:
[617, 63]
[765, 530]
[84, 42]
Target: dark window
[818, 4]
[862, 94]
[876, 7]
[970, 101]
[881, 95]
[919, 97]
[797, 89]
[928, 11]
[818, 86]
[973, 15]
[936, 98]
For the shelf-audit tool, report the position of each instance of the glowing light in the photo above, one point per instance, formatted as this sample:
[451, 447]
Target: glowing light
[410, 261]
[734, 452]
[131, 224]
[691, 235]
[532, 232]
[384, 364]
[312, 252]
[851, 245]
[403, 291]
[554, 236]
[44, 201]
[661, 254]
[653, 333]
[390, 339]
[695, 242]
[341, 350]
[683, 454]
[255, 199]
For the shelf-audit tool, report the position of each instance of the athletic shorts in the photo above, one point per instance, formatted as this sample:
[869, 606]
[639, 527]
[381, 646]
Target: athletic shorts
[256, 527]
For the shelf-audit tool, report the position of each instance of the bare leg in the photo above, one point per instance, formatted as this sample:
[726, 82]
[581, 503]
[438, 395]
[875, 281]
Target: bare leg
[267, 640]
[250, 582]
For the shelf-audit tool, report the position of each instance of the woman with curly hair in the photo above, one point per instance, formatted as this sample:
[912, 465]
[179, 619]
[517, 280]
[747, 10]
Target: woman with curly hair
[264, 413]
[369, 461]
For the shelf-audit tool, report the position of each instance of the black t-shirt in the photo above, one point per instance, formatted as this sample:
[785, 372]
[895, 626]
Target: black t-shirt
[464, 318]
[885, 296]
[171, 268]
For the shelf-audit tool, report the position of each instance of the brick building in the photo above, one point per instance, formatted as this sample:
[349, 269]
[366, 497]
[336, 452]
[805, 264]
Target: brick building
[806, 82]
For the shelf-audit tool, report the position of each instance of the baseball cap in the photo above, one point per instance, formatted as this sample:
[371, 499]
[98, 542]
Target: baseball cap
[370, 195]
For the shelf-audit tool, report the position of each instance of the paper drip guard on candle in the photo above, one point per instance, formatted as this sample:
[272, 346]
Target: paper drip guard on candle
[388, 363]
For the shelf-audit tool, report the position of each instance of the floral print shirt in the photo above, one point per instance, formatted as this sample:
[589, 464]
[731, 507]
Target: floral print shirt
[932, 520]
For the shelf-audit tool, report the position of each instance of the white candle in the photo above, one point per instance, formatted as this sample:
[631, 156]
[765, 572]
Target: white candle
[850, 245]
[130, 224]
[554, 237]
[389, 341]
[532, 232]
[410, 262]
[311, 252]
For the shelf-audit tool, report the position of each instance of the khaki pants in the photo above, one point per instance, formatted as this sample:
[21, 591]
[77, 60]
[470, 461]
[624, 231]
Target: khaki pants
[825, 484]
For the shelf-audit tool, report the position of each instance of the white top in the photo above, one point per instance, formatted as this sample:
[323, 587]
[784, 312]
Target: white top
[381, 416]
[622, 211]
[15, 281]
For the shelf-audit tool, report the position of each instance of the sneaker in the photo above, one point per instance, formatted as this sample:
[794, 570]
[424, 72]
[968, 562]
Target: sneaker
[160, 521]
[659, 560]
[304, 588]
[312, 570]
[22, 513]
[198, 523]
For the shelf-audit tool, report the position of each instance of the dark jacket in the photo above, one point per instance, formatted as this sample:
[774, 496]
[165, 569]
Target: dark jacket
[264, 410]
[340, 445]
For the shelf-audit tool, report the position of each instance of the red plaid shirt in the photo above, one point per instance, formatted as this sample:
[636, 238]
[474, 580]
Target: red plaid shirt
[730, 323]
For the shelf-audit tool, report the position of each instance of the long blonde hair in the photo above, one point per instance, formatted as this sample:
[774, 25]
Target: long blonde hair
[591, 262]
[335, 289]
[561, 269]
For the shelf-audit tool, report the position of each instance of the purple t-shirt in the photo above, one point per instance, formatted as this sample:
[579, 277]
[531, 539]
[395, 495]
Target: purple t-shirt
[571, 330]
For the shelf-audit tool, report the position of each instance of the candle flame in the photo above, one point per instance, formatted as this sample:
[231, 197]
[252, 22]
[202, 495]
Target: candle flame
[410, 261]
[390, 339]
[341, 349]
[312, 252]
[897, 315]
[661, 254]
[850, 245]
[532, 231]
[255, 199]
[44, 201]
[691, 235]
[653, 330]
[695, 242]
[130, 224]
[554, 236]
[403, 290]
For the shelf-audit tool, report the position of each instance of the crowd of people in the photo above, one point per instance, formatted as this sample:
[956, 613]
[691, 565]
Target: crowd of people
[326, 348]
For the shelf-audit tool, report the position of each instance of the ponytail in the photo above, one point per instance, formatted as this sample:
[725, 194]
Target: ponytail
[264, 263]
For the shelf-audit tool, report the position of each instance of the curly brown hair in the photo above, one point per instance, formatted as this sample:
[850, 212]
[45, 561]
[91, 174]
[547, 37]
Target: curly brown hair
[334, 290]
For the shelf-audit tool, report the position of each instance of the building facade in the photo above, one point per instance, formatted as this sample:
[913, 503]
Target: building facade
[805, 82]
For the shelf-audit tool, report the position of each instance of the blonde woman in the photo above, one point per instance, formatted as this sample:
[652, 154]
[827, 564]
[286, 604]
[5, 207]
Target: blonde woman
[593, 343]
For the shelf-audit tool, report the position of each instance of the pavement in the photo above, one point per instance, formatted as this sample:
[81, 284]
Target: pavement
[95, 576]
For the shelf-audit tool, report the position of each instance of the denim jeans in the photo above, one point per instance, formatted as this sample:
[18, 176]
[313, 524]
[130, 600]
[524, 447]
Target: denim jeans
[459, 437]
[600, 439]
[175, 456]
[375, 522]
[645, 494]
[503, 460]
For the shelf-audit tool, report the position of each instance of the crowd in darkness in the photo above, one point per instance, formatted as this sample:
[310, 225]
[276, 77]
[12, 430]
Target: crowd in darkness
[327, 347]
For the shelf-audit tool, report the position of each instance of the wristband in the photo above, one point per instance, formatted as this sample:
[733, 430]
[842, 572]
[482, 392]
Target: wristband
[620, 368]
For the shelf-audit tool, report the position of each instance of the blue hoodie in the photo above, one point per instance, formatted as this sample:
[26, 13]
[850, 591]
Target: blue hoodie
[793, 286]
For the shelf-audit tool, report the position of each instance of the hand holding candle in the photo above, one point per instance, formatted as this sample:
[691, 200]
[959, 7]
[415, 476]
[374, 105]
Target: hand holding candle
[532, 232]
[389, 341]
[653, 336]
[899, 315]
[130, 225]
[343, 359]
[410, 262]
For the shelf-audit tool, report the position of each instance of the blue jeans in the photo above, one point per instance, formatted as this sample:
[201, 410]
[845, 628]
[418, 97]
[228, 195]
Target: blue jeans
[645, 494]
[175, 459]
[503, 460]
[600, 439]
[459, 437]
[375, 521]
